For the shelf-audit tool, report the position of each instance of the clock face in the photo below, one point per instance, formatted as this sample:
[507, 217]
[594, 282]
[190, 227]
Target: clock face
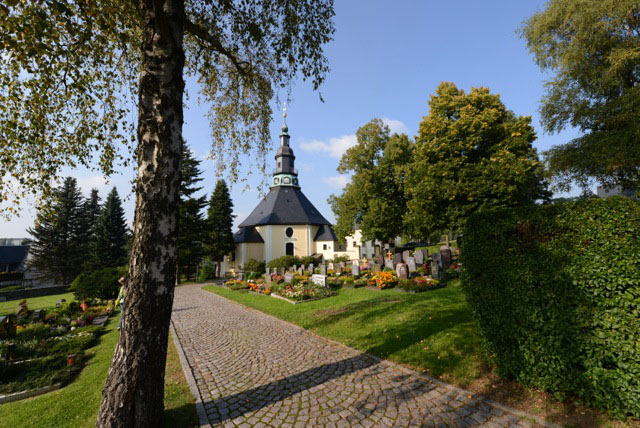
[287, 180]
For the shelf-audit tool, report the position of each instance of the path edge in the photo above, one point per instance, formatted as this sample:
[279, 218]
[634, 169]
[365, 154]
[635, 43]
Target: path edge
[539, 420]
[188, 374]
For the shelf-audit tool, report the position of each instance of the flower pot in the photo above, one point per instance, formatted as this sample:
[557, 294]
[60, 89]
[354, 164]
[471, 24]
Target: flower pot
[71, 359]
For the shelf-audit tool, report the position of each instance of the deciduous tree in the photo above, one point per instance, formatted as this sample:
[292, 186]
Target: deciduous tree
[592, 47]
[65, 68]
[471, 154]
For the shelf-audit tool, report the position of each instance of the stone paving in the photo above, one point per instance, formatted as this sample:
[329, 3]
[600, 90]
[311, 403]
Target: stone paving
[253, 370]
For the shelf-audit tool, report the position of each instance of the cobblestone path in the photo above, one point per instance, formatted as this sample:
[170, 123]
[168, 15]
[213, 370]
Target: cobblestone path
[253, 370]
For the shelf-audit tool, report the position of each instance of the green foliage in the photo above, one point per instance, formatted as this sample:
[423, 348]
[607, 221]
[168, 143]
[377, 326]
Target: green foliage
[61, 234]
[338, 259]
[592, 46]
[374, 199]
[207, 271]
[98, 284]
[559, 297]
[111, 234]
[219, 236]
[254, 265]
[191, 224]
[284, 262]
[471, 154]
[307, 260]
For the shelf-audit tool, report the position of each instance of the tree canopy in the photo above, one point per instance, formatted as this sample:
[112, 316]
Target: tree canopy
[219, 234]
[111, 234]
[592, 47]
[374, 199]
[471, 154]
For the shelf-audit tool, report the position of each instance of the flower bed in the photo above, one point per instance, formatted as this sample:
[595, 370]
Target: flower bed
[47, 347]
[419, 285]
[383, 280]
[236, 285]
[303, 291]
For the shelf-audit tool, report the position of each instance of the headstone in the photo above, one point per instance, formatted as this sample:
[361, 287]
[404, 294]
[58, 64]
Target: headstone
[379, 259]
[310, 268]
[288, 277]
[355, 270]
[355, 262]
[445, 252]
[268, 272]
[388, 264]
[405, 255]
[301, 271]
[319, 279]
[343, 265]
[331, 266]
[100, 321]
[338, 269]
[323, 269]
[402, 271]
[295, 268]
[437, 258]
[7, 326]
[375, 267]
[411, 264]
[38, 315]
[397, 258]
[419, 256]
[435, 269]
[267, 279]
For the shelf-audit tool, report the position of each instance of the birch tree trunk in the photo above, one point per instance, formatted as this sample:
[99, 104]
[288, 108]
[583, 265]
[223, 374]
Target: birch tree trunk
[134, 389]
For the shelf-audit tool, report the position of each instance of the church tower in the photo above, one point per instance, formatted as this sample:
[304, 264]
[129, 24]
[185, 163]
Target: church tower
[285, 174]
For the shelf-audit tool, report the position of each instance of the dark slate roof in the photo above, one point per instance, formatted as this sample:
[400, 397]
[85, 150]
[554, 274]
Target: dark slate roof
[284, 205]
[325, 233]
[247, 234]
[13, 255]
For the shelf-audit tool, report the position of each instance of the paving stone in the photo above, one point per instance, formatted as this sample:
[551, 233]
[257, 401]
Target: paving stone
[258, 371]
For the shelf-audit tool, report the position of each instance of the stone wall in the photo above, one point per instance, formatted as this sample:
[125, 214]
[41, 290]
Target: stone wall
[31, 292]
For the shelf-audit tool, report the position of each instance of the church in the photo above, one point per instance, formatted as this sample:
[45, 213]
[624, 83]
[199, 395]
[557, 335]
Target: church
[285, 222]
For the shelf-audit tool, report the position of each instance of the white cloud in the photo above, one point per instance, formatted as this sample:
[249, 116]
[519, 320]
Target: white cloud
[337, 181]
[335, 147]
[94, 182]
[396, 126]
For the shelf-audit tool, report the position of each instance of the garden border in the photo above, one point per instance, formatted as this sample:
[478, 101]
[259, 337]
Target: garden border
[16, 396]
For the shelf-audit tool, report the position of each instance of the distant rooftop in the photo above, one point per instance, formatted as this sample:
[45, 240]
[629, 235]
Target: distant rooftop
[12, 241]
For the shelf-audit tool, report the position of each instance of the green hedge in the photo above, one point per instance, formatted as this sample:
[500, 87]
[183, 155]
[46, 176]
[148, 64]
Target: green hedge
[99, 284]
[556, 292]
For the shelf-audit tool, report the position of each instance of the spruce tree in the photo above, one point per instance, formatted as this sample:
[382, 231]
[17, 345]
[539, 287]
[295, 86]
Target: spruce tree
[219, 236]
[190, 221]
[59, 245]
[109, 247]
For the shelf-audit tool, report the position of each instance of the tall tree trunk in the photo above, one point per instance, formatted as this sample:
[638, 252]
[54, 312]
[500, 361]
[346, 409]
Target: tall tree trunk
[134, 390]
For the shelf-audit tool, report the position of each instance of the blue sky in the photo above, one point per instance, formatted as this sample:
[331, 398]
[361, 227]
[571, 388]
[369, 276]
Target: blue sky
[386, 60]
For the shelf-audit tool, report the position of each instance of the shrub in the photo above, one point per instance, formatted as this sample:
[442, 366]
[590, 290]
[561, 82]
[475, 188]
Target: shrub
[359, 283]
[207, 271]
[306, 260]
[98, 284]
[254, 265]
[348, 281]
[284, 262]
[338, 259]
[556, 291]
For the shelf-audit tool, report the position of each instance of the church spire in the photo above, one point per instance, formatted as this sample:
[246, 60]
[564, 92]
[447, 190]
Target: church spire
[285, 174]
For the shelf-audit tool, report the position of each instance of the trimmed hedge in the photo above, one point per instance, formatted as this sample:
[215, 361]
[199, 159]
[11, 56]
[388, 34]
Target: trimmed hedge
[98, 284]
[556, 291]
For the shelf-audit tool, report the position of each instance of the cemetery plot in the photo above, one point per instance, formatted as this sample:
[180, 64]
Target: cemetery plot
[40, 348]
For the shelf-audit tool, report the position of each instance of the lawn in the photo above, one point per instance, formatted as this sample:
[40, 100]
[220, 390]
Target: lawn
[77, 404]
[43, 302]
[432, 331]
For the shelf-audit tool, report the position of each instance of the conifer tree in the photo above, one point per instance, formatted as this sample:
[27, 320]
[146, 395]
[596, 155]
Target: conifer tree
[191, 221]
[59, 246]
[109, 247]
[219, 234]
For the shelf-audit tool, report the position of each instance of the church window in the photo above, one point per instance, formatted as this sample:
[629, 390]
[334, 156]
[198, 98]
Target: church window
[279, 164]
[324, 246]
[233, 257]
[288, 248]
[289, 232]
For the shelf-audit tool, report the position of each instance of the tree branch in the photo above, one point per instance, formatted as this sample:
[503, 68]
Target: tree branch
[198, 31]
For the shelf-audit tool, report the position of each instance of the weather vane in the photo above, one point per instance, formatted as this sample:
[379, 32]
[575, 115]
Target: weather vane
[284, 113]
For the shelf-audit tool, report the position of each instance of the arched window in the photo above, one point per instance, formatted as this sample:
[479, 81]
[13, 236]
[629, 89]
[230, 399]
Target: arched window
[288, 248]
[289, 232]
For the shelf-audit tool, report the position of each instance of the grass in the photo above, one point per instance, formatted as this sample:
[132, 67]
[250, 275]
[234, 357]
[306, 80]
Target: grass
[77, 404]
[9, 307]
[432, 331]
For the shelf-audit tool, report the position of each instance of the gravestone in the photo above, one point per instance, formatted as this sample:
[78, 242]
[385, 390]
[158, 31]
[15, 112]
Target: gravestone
[405, 255]
[411, 264]
[445, 253]
[323, 269]
[338, 269]
[343, 265]
[355, 270]
[319, 279]
[435, 269]
[38, 315]
[389, 264]
[295, 268]
[419, 256]
[310, 268]
[301, 271]
[397, 258]
[355, 262]
[100, 321]
[268, 272]
[331, 266]
[437, 257]
[7, 326]
[402, 271]
[267, 279]
[375, 268]
[288, 277]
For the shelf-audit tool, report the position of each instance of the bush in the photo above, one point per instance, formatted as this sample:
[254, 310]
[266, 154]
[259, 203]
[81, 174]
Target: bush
[307, 260]
[284, 262]
[556, 291]
[207, 271]
[98, 284]
[254, 265]
[338, 259]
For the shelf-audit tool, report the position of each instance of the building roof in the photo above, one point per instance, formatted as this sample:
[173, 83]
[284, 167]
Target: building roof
[247, 234]
[325, 233]
[13, 255]
[284, 205]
